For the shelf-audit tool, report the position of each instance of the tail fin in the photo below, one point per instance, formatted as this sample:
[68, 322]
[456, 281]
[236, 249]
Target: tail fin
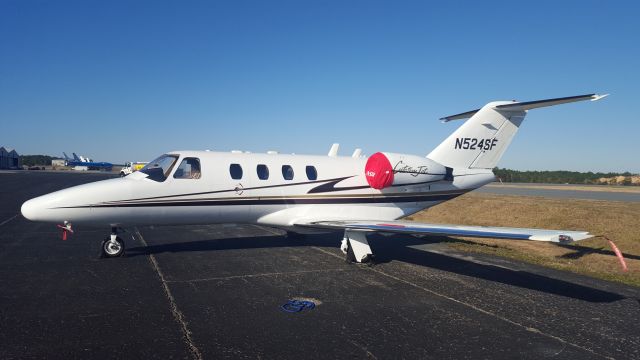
[65, 156]
[75, 157]
[482, 140]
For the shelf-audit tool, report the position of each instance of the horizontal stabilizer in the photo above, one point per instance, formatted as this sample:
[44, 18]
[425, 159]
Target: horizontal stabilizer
[410, 227]
[464, 115]
[522, 106]
[528, 105]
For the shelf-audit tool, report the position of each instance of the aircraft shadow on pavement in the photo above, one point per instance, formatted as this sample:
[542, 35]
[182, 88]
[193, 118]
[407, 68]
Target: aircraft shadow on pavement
[235, 243]
[398, 249]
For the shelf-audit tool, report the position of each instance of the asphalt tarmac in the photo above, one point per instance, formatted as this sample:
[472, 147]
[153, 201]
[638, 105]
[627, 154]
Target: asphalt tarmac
[210, 292]
[596, 192]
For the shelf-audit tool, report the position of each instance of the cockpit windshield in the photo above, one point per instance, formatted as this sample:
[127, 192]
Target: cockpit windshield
[159, 169]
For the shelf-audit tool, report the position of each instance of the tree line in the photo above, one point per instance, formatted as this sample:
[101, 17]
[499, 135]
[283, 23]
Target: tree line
[558, 176]
[33, 160]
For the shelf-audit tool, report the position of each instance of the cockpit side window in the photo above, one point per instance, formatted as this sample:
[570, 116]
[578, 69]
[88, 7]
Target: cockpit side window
[159, 169]
[189, 168]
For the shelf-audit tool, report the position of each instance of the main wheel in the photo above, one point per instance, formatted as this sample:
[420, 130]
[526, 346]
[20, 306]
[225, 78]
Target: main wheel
[112, 249]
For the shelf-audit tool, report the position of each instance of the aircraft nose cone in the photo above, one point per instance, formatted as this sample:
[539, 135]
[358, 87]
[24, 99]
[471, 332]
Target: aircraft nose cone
[42, 208]
[31, 209]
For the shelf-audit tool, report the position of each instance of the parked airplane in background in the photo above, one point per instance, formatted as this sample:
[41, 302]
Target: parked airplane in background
[82, 163]
[354, 194]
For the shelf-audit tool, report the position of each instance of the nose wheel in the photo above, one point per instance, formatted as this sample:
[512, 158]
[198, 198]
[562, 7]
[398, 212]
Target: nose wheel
[112, 246]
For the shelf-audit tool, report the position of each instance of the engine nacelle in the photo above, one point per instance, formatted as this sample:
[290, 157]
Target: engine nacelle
[387, 169]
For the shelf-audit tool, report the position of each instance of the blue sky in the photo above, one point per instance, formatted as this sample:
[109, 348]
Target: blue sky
[129, 80]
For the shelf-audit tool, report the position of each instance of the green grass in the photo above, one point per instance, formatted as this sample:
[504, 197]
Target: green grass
[618, 221]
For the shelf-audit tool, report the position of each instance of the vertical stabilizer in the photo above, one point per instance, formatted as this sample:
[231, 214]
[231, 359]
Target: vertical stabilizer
[482, 140]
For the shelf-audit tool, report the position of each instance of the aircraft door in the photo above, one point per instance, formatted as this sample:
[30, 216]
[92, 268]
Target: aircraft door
[198, 188]
[238, 206]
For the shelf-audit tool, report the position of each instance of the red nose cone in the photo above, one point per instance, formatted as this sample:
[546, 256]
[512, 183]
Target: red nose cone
[378, 171]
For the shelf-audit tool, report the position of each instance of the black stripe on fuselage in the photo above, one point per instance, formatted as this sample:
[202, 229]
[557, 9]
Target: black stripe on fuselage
[281, 201]
[319, 196]
[330, 186]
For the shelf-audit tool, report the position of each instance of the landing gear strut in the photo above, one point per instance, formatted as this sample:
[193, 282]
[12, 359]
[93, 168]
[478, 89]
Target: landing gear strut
[356, 247]
[113, 246]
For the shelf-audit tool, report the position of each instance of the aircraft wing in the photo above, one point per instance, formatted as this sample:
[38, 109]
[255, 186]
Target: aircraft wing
[410, 227]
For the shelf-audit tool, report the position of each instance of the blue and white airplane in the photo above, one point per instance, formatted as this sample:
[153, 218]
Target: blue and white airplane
[354, 194]
[86, 163]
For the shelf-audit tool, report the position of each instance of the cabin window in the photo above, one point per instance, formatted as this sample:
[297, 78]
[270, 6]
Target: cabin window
[189, 168]
[235, 170]
[287, 172]
[312, 174]
[159, 169]
[263, 172]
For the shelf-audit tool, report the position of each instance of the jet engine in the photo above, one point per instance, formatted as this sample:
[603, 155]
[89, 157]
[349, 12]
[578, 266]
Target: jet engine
[388, 169]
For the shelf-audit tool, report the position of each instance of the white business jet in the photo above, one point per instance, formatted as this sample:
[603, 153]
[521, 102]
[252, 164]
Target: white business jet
[354, 194]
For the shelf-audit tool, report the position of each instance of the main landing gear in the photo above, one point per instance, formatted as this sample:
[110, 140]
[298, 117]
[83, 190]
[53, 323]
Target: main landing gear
[356, 247]
[113, 245]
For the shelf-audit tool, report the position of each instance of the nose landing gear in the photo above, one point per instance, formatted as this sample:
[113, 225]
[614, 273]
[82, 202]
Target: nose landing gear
[113, 246]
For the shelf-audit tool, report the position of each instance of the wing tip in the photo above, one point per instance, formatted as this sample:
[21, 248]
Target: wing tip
[596, 97]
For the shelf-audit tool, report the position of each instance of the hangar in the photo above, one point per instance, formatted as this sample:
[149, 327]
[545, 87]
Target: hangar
[9, 158]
